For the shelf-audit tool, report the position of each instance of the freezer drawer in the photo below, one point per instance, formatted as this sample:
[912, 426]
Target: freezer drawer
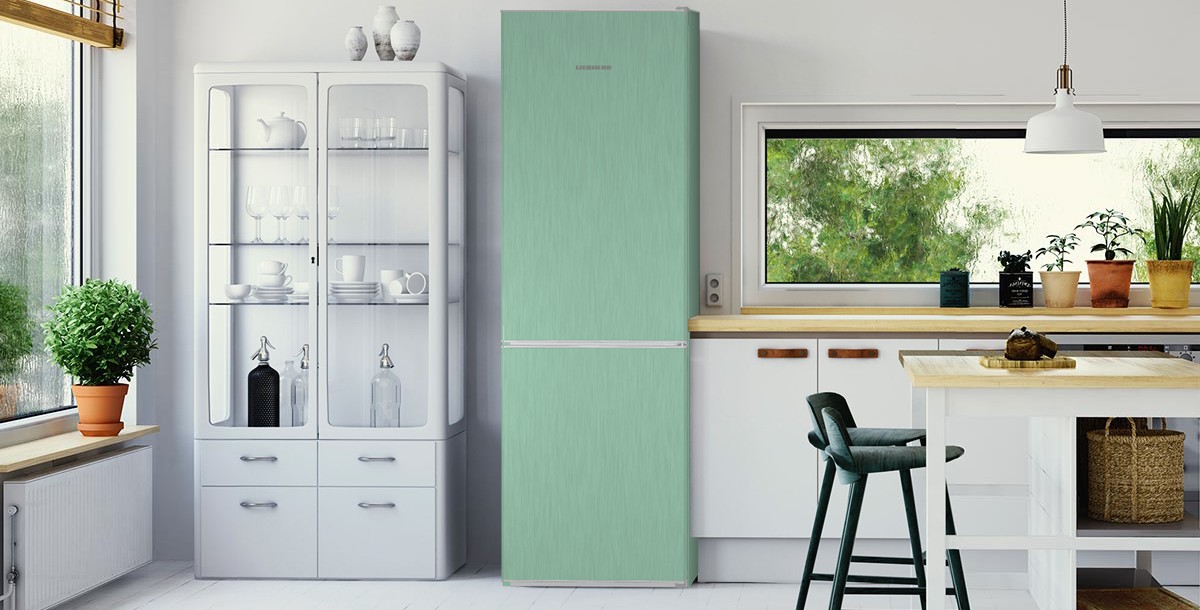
[594, 458]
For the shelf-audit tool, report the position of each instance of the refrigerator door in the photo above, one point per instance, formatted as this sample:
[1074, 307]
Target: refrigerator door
[600, 173]
[594, 455]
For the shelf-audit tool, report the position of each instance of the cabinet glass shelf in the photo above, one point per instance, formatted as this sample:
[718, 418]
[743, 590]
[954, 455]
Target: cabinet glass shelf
[258, 150]
[262, 303]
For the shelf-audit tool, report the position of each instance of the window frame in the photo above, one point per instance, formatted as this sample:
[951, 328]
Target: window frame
[60, 418]
[753, 120]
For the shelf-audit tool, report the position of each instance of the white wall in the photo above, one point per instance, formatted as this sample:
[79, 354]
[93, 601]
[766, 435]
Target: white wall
[751, 50]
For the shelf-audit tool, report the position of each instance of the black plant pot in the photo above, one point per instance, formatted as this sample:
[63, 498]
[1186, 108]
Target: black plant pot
[1016, 289]
[956, 289]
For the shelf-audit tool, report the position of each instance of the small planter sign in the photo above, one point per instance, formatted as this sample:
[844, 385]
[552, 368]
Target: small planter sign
[1016, 289]
[1016, 280]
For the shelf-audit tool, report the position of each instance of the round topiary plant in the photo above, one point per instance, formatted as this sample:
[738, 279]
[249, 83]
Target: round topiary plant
[16, 330]
[100, 331]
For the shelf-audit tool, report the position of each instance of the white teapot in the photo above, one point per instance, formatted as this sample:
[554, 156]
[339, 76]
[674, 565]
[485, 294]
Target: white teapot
[283, 132]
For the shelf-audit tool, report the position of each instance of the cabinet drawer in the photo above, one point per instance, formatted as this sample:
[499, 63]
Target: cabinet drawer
[376, 532]
[377, 463]
[749, 453]
[258, 532]
[254, 462]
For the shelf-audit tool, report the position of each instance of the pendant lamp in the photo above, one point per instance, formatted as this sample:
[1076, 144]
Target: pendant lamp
[1065, 129]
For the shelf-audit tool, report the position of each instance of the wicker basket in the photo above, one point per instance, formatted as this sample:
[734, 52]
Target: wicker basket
[1135, 476]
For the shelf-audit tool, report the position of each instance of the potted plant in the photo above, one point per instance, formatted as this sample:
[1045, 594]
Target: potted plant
[1058, 285]
[98, 333]
[16, 342]
[1170, 276]
[1110, 277]
[1016, 280]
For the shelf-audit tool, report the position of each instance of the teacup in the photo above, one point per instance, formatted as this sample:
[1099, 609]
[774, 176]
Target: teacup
[270, 280]
[237, 292]
[387, 276]
[415, 282]
[272, 267]
[351, 266]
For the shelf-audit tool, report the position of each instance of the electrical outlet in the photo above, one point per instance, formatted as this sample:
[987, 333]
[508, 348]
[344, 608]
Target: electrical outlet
[714, 290]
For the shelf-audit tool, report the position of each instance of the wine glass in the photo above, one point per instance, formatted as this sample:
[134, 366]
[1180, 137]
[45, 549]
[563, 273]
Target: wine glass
[300, 208]
[282, 199]
[258, 201]
[333, 209]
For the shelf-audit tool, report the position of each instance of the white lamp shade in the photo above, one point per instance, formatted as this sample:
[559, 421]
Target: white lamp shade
[1064, 130]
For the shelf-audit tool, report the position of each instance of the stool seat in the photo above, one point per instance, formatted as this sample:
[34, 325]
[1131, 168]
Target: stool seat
[870, 460]
[874, 437]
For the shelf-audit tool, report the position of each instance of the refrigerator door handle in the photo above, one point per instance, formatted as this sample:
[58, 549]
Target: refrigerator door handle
[596, 344]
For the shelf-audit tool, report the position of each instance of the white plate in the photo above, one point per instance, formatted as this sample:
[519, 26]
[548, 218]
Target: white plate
[411, 298]
[353, 284]
[273, 290]
[363, 299]
[353, 292]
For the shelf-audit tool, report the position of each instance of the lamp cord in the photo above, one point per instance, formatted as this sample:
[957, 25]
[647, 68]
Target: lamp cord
[1064, 32]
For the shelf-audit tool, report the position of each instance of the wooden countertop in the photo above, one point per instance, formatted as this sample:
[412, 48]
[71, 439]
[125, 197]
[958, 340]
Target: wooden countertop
[43, 450]
[949, 320]
[956, 369]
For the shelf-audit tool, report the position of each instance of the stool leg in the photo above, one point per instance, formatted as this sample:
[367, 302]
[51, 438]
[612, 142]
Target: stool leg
[914, 532]
[818, 526]
[957, 577]
[853, 510]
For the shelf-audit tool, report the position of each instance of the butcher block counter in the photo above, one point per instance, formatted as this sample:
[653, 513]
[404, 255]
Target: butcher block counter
[1141, 320]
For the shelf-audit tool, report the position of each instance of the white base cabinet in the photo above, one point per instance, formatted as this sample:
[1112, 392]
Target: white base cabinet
[754, 474]
[331, 509]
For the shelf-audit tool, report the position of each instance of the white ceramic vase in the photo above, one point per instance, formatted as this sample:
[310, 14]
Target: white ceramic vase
[381, 28]
[406, 39]
[356, 43]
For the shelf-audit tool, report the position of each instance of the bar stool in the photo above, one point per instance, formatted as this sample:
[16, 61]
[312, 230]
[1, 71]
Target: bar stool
[878, 448]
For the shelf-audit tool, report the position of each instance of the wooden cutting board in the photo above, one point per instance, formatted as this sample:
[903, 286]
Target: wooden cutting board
[1000, 362]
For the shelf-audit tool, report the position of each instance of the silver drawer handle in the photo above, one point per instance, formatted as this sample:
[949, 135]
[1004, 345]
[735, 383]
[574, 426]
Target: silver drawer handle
[376, 459]
[379, 505]
[259, 458]
[259, 504]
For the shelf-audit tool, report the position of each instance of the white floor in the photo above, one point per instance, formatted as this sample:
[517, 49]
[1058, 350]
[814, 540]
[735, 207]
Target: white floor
[170, 585]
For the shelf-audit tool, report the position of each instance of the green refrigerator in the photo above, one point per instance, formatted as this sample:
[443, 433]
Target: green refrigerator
[599, 277]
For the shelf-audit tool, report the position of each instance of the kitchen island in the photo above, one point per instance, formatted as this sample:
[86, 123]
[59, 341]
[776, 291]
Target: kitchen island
[954, 384]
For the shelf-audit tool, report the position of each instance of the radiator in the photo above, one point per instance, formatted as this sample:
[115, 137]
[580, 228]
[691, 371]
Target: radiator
[76, 527]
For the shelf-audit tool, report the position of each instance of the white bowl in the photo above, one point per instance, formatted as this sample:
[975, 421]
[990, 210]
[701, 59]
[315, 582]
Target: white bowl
[237, 291]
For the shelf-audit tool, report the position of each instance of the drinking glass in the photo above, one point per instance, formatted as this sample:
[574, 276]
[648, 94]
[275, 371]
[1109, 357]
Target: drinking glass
[300, 208]
[353, 131]
[414, 137]
[258, 202]
[282, 199]
[387, 130]
[333, 209]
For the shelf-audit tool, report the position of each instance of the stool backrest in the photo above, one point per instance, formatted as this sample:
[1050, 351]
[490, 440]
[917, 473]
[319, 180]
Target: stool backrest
[839, 445]
[818, 403]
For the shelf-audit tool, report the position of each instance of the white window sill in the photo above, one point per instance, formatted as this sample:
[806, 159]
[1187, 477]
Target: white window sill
[37, 427]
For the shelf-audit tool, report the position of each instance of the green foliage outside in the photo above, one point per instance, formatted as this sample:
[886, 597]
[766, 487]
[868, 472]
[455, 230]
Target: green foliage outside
[871, 210]
[1178, 172]
[100, 331]
[16, 330]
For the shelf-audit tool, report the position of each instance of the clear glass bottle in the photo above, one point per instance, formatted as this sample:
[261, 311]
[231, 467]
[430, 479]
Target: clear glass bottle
[298, 392]
[385, 394]
[286, 379]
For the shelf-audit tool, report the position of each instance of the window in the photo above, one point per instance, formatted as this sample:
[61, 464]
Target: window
[910, 189]
[885, 206]
[41, 103]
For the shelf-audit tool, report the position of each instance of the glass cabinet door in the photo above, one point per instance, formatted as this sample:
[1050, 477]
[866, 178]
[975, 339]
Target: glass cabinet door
[391, 266]
[259, 180]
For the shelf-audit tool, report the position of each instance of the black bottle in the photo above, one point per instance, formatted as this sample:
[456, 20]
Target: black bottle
[263, 390]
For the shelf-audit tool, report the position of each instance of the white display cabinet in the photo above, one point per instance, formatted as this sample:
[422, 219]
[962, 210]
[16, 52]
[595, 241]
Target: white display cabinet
[351, 175]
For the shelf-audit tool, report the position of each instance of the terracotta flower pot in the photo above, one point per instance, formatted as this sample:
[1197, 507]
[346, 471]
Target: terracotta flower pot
[1170, 283]
[1110, 282]
[100, 408]
[1058, 288]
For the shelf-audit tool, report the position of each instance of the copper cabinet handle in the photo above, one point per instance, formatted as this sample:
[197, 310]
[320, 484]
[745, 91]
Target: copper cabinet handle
[853, 353]
[766, 352]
